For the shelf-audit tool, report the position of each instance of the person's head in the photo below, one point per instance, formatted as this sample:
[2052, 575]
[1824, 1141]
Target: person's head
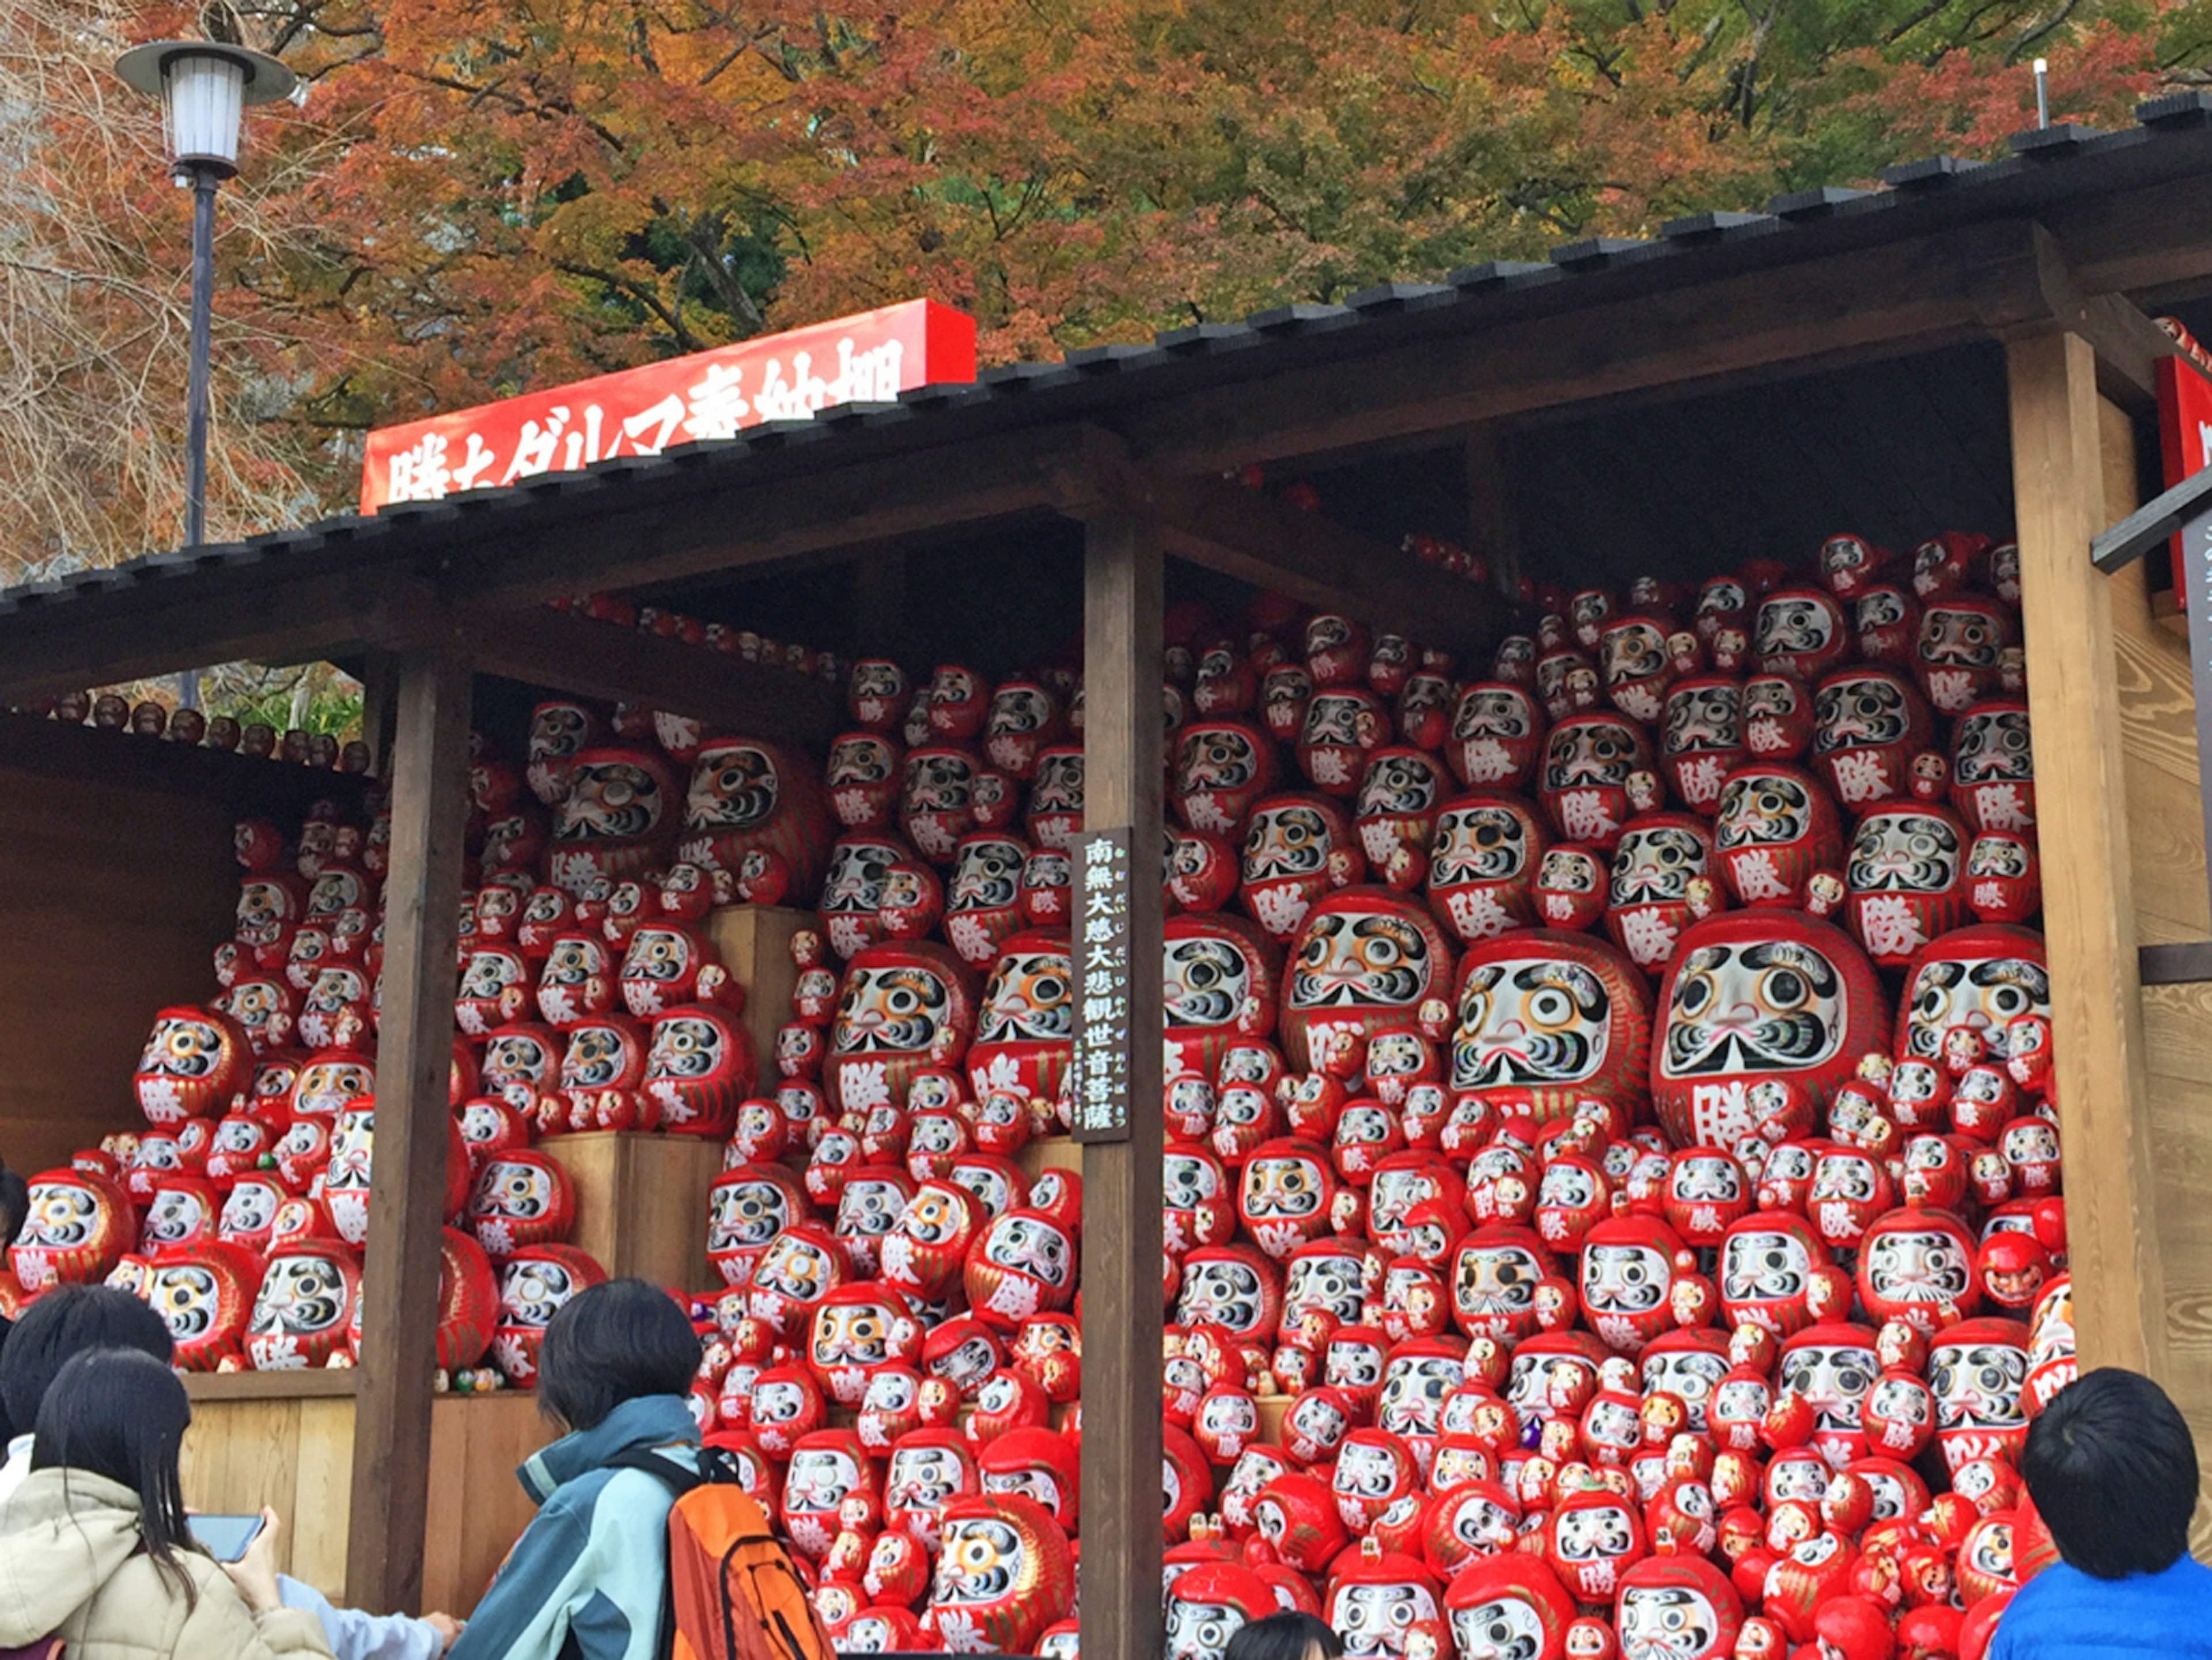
[122, 1414]
[62, 1325]
[611, 1344]
[1286, 1636]
[2112, 1470]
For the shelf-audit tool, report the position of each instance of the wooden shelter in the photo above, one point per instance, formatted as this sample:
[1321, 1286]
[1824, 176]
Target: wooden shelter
[1969, 345]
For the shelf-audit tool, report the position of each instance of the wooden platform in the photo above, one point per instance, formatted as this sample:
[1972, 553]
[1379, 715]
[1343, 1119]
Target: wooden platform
[286, 1439]
[641, 1202]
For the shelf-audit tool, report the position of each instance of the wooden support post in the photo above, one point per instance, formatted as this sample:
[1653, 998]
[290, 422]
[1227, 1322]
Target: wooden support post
[2089, 901]
[380, 689]
[1492, 530]
[399, 1317]
[1122, 666]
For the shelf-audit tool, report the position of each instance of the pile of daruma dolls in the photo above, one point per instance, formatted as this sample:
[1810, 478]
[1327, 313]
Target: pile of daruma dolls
[1612, 1184]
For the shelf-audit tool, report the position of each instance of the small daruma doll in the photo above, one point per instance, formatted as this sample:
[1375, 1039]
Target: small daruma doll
[1482, 864]
[902, 1008]
[194, 1061]
[1023, 1264]
[1025, 1029]
[1559, 1016]
[698, 1066]
[1906, 880]
[1222, 977]
[75, 1229]
[304, 1306]
[1003, 1574]
[1366, 959]
[536, 1284]
[1497, 733]
[618, 819]
[1583, 786]
[749, 796]
[203, 1295]
[1984, 977]
[1776, 829]
[1759, 998]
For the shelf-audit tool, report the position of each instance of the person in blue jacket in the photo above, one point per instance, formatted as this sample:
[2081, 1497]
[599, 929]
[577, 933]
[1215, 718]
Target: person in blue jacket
[2112, 1470]
[587, 1578]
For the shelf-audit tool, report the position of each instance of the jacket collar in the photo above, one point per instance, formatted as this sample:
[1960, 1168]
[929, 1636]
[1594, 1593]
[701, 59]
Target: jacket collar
[644, 1421]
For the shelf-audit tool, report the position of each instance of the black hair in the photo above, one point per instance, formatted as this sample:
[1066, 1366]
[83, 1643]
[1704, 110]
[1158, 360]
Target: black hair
[14, 1205]
[2112, 1470]
[1289, 1635]
[121, 1413]
[62, 1325]
[611, 1344]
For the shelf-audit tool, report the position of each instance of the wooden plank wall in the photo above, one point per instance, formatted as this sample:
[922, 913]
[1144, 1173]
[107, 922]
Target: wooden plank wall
[111, 900]
[296, 1453]
[2166, 840]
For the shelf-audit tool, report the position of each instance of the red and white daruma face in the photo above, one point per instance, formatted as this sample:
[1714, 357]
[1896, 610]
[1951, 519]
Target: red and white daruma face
[853, 891]
[1584, 784]
[1899, 1414]
[1799, 631]
[1222, 767]
[1562, 1017]
[1962, 638]
[698, 1066]
[1364, 958]
[863, 776]
[1497, 733]
[1627, 1274]
[1633, 662]
[1722, 602]
[1868, 725]
[1341, 727]
[1590, 1540]
[877, 693]
[1767, 1270]
[194, 1061]
[927, 1470]
[1510, 1607]
[558, 730]
[982, 906]
[1831, 1367]
[1677, 1609]
[1993, 767]
[1647, 900]
[521, 1200]
[203, 1297]
[1372, 1612]
[1230, 1286]
[1978, 1372]
[958, 701]
[1482, 864]
[615, 795]
[1885, 617]
[300, 1313]
[936, 805]
[1024, 716]
[75, 1227]
[1054, 816]
[1284, 1197]
[1907, 880]
[1915, 1265]
[1415, 1386]
[1753, 997]
[1777, 717]
[1494, 1275]
[1984, 977]
[1027, 1022]
[1702, 738]
[1286, 861]
[249, 1212]
[1776, 827]
[328, 1082]
[1848, 562]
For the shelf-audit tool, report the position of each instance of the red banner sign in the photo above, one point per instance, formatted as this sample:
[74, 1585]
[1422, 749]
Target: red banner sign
[868, 358]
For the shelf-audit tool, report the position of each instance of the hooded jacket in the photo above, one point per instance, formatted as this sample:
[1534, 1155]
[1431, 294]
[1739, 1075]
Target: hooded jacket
[592, 1564]
[72, 1564]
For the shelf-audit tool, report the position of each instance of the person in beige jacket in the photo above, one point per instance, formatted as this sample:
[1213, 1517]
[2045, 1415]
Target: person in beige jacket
[94, 1547]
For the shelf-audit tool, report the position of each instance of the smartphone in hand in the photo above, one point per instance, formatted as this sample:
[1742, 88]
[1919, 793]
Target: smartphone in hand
[225, 1537]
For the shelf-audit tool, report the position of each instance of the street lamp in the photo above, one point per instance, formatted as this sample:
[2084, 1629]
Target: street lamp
[204, 87]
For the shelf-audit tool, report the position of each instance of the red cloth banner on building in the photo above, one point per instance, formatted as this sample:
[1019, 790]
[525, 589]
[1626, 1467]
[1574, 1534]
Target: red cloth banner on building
[870, 358]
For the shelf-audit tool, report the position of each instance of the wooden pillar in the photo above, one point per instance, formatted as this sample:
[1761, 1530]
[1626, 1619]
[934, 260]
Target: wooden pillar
[399, 1316]
[1492, 530]
[379, 687]
[2088, 896]
[1122, 737]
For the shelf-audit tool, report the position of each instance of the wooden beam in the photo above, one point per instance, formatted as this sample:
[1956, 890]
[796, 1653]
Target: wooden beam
[1493, 529]
[2127, 343]
[399, 1279]
[566, 652]
[1259, 539]
[297, 611]
[704, 520]
[2101, 1081]
[2127, 241]
[1123, 768]
[1918, 292]
[379, 693]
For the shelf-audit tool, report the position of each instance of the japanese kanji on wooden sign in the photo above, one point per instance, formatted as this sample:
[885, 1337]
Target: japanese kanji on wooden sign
[1101, 986]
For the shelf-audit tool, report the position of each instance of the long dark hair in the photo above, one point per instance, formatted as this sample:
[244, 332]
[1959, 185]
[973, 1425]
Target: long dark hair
[122, 1414]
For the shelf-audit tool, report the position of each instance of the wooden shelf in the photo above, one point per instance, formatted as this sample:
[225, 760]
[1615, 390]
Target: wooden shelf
[314, 1384]
[641, 1202]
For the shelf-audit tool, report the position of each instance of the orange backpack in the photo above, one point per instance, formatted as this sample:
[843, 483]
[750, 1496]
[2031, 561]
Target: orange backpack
[732, 1593]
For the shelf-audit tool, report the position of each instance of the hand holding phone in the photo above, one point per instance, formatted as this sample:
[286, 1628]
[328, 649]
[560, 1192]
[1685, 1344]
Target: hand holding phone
[225, 1537]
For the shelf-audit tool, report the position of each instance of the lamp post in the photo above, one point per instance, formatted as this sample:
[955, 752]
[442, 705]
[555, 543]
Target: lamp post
[204, 87]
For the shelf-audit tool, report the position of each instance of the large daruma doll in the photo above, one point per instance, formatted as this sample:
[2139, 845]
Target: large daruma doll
[1561, 1016]
[1221, 976]
[1757, 998]
[1026, 1027]
[1365, 960]
[901, 1008]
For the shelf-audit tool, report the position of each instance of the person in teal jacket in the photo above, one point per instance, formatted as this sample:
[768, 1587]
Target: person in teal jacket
[587, 1579]
[2112, 1470]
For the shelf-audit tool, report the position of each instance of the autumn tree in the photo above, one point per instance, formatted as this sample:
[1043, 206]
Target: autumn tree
[481, 197]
